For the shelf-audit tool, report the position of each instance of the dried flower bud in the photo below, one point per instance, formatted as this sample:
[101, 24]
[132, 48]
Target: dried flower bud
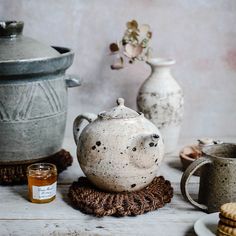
[124, 42]
[132, 51]
[133, 45]
[133, 25]
[144, 29]
[149, 34]
[119, 64]
[114, 47]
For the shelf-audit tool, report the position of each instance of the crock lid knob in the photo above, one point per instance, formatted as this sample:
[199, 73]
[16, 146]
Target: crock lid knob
[11, 28]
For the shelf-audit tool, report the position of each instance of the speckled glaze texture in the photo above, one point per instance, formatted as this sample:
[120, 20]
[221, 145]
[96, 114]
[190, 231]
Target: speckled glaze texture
[160, 98]
[119, 154]
[217, 180]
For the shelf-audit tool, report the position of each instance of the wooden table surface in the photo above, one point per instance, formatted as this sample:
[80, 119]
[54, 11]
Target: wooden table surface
[20, 217]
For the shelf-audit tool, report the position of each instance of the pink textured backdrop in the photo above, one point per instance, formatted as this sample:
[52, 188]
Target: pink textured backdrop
[200, 35]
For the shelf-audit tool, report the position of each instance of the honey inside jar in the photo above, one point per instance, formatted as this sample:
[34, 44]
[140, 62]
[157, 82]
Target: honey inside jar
[42, 181]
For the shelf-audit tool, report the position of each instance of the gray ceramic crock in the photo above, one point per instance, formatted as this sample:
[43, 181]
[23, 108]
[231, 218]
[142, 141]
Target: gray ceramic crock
[217, 179]
[33, 95]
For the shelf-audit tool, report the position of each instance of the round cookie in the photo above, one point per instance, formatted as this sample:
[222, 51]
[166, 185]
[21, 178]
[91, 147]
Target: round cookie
[227, 221]
[228, 210]
[226, 229]
[221, 234]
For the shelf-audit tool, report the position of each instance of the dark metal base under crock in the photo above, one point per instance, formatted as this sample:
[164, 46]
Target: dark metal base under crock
[90, 200]
[16, 174]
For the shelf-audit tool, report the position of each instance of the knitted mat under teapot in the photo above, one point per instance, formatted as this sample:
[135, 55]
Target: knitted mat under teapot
[16, 174]
[89, 199]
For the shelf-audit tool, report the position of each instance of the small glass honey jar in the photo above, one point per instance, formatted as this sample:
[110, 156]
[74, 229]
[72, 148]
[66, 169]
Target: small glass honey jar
[42, 182]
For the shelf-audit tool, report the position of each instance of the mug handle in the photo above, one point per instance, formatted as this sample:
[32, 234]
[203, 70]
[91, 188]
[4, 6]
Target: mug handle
[78, 122]
[186, 177]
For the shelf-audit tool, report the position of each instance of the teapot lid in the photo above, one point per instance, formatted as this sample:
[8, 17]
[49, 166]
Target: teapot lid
[119, 112]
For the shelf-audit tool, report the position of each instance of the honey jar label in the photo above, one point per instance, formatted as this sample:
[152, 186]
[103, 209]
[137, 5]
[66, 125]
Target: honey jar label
[44, 192]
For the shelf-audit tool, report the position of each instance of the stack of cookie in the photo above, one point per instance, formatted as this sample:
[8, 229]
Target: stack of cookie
[227, 223]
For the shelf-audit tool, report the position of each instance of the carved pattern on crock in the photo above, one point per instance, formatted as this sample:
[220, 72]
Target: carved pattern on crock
[25, 101]
[3, 112]
[51, 95]
[162, 111]
[24, 104]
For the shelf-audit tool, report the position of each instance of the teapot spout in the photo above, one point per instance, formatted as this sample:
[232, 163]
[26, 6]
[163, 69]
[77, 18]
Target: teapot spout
[151, 140]
[148, 151]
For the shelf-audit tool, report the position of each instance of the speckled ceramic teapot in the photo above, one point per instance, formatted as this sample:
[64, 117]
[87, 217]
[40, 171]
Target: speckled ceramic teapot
[119, 150]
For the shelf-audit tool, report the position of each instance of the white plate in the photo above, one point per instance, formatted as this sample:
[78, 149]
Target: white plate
[207, 225]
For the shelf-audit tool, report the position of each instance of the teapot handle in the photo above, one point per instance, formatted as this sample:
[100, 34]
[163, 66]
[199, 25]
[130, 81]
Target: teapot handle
[78, 122]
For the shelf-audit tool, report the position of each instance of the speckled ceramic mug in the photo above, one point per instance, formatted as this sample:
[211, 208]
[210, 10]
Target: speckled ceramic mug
[217, 179]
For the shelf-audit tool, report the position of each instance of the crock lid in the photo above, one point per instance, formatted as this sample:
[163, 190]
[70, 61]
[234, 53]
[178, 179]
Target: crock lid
[119, 112]
[16, 47]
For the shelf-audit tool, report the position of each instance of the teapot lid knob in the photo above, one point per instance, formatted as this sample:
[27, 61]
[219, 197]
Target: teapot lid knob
[119, 112]
[121, 101]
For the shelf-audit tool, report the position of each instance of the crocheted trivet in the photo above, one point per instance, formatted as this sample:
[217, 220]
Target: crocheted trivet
[91, 200]
[16, 174]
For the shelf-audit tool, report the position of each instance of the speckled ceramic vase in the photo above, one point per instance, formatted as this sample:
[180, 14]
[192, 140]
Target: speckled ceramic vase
[161, 100]
[217, 179]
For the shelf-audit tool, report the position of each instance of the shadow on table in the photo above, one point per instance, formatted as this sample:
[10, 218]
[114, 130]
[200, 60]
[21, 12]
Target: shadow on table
[63, 190]
[20, 190]
[176, 164]
[190, 232]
